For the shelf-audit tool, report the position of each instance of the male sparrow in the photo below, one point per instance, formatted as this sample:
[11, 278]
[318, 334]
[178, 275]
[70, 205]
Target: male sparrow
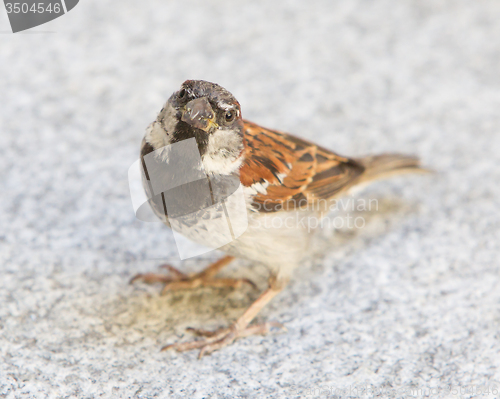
[280, 177]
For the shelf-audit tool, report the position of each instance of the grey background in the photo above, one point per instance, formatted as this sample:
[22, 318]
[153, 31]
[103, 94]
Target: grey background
[410, 300]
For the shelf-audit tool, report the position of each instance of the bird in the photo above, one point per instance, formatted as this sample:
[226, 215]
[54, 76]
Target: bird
[281, 181]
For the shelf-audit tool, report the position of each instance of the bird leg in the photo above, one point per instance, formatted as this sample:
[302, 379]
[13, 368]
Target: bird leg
[178, 280]
[213, 340]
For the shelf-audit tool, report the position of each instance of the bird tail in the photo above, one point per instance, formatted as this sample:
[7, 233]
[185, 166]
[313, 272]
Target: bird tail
[386, 165]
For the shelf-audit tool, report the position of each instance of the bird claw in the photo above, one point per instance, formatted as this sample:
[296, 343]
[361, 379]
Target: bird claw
[214, 340]
[179, 280]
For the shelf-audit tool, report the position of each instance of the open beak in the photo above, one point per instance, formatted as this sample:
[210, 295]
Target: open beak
[199, 114]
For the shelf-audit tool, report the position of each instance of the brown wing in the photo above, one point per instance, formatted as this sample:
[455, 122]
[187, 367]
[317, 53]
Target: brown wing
[287, 172]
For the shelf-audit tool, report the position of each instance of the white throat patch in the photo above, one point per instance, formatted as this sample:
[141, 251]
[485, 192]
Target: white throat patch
[224, 152]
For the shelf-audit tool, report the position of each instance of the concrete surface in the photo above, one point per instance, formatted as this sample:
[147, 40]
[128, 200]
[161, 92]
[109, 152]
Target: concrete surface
[410, 301]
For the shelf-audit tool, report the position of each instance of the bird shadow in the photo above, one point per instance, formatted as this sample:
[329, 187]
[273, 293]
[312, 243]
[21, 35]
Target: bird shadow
[335, 247]
[142, 310]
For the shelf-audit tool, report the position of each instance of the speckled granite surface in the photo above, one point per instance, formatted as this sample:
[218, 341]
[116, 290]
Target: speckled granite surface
[411, 301]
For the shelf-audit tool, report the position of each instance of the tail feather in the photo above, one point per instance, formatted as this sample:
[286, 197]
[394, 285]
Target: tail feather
[385, 165]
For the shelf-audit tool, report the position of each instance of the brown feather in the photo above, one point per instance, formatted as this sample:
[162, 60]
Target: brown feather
[296, 170]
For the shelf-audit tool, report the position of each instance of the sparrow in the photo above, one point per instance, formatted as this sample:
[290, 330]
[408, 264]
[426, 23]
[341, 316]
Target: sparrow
[281, 180]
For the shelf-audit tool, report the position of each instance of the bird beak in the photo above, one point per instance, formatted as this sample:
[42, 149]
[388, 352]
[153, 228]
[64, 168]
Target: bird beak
[199, 114]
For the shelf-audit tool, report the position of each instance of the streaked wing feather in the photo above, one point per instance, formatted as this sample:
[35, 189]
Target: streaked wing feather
[292, 169]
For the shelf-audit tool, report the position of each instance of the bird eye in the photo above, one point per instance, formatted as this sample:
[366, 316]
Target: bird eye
[230, 116]
[182, 93]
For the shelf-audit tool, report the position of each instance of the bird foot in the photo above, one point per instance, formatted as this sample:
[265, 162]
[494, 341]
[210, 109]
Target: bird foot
[177, 280]
[214, 340]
